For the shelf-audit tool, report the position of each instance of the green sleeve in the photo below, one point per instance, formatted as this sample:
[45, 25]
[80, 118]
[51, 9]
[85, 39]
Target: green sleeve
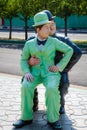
[67, 51]
[24, 59]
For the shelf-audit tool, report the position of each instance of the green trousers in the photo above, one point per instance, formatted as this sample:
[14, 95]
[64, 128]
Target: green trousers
[52, 96]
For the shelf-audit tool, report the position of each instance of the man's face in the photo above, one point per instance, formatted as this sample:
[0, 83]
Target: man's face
[52, 27]
[44, 31]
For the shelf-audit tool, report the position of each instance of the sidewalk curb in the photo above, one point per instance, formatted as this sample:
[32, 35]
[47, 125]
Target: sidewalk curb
[10, 41]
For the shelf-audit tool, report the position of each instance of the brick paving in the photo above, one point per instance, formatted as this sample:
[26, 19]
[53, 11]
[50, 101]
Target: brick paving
[75, 117]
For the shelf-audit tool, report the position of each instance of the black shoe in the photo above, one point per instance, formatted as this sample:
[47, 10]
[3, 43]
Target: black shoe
[20, 123]
[55, 125]
[62, 110]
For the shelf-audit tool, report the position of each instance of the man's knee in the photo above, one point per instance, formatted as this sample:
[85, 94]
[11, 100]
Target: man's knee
[26, 85]
[53, 83]
[52, 91]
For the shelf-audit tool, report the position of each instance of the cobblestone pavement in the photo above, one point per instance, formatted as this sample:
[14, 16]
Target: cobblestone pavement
[76, 106]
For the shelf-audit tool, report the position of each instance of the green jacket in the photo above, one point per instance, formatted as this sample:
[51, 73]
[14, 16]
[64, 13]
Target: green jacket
[46, 56]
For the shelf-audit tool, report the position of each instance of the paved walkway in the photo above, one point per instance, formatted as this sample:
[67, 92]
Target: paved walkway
[76, 106]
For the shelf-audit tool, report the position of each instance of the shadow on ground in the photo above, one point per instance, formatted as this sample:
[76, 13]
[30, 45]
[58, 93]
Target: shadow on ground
[40, 122]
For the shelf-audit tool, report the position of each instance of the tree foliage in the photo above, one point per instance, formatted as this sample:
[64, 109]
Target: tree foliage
[66, 8]
[28, 8]
[12, 9]
[63, 9]
[80, 7]
[9, 9]
[3, 4]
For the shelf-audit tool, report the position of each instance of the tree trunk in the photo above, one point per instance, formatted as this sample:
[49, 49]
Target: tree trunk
[10, 33]
[65, 21]
[45, 4]
[26, 35]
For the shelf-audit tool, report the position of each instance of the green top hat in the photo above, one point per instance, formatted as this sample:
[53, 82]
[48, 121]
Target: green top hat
[40, 19]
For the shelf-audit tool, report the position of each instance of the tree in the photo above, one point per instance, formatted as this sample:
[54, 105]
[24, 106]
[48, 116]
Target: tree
[26, 11]
[28, 8]
[11, 10]
[66, 8]
[63, 9]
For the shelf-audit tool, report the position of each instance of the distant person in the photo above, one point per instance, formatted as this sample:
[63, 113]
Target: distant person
[43, 47]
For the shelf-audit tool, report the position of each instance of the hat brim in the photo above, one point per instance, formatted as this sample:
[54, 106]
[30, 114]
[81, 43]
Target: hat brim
[35, 25]
[52, 18]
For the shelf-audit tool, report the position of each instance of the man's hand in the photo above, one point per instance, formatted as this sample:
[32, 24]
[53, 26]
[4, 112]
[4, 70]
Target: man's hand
[53, 68]
[29, 77]
[33, 61]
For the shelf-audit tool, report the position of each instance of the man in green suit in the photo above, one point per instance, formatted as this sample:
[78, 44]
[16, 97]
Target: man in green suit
[43, 47]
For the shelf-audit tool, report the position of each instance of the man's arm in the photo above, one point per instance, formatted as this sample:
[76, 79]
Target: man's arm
[24, 58]
[76, 52]
[67, 54]
[76, 55]
[24, 63]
